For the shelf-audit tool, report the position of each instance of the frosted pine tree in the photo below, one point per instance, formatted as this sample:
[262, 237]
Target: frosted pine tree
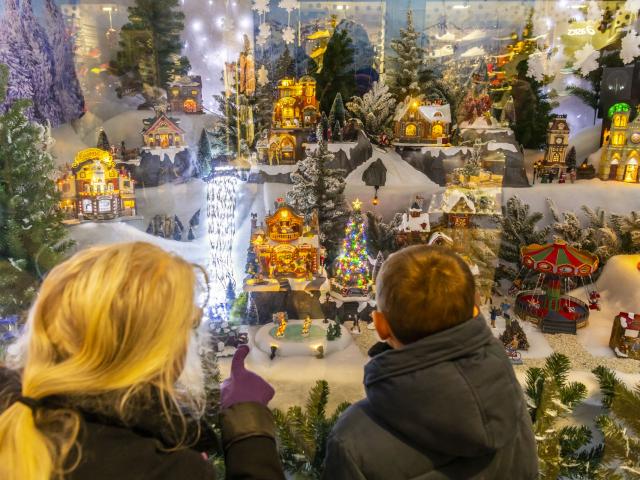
[374, 109]
[317, 187]
[337, 111]
[13, 48]
[66, 85]
[406, 62]
[41, 65]
[628, 230]
[103, 141]
[32, 237]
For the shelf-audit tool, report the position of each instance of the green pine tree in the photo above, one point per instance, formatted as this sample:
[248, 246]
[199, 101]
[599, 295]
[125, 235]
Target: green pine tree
[519, 228]
[303, 433]
[337, 111]
[205, 156]
[571, 159]
[238, 313]
[352, 266]
[224, 137]
[533, 109]
[32, 236]
[285, 66]
[103, 141]
[337, 74]
[406, 62]
[319, 188]
[262, 104]
[150, 48]
[564, 449]
[620, 427]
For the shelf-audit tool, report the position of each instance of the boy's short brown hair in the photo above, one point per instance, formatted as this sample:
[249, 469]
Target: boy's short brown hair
[423, 290]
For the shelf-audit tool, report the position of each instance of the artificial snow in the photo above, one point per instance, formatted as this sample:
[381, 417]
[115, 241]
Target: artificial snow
[301, 347]
[492, 146]
[619, 287]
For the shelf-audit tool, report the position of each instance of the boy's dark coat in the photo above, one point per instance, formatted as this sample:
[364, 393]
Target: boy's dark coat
[446, 407]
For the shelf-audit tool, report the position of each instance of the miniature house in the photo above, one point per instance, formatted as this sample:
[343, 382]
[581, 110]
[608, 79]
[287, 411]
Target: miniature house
[162, 133]
[625, 335]
[185, 94]
[415, 227]
[621, 149]
[295, 114]
[418, 123]
[285, 247]
[95, 189]
[557, 143]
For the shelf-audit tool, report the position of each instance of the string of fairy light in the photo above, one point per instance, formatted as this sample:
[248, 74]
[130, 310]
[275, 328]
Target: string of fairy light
[221, 208]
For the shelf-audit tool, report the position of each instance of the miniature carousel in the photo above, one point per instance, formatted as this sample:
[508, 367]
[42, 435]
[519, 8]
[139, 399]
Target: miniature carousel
[558, 267]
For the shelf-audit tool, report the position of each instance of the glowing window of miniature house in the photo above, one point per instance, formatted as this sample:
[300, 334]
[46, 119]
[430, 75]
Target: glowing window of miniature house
[410, 130]
[620, 120]
[437, 130]
[631, 172]
[618, 139]
[190, 105]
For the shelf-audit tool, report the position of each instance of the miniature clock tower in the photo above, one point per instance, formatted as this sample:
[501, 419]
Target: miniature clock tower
[557, 141]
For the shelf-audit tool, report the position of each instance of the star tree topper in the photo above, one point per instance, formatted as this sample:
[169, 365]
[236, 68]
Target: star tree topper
[357, 205]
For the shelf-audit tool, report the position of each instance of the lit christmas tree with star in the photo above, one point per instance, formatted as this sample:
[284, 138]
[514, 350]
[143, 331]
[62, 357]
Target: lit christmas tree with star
[352, 268]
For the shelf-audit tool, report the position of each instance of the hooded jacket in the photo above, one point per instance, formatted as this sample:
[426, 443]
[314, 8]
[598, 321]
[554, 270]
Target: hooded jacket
[445, 407]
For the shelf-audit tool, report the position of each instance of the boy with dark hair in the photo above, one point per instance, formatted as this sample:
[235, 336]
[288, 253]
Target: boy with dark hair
[444, 403]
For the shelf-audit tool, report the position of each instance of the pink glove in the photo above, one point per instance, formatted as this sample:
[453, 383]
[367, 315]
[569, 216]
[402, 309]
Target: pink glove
[243, 385]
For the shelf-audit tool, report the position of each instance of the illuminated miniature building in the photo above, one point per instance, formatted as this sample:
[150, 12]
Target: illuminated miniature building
[625, 335]
[418, 123]
[185, 94]
[295, 114]
[621, 150]
[415, 227]
[286, 247]
[162, 132]
[557, 143]
[94, 189]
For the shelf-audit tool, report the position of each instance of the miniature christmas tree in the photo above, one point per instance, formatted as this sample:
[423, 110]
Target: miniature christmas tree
[337, 74]
[150, 47]
[375, 110]
[103, 141]
[205, 157]
[337, 132]
[32, 237]
[324, 130]
[230, 295]
[337, 112]
[285, 65]
[406, 62]
[352, 267]
[515, 332]
[319, 188]
[619, 425]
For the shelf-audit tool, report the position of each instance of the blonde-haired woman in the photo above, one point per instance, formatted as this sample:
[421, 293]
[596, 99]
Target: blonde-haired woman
[96, 397]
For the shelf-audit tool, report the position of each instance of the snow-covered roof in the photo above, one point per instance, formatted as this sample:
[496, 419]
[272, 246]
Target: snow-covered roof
[474, 52]
[431, 113]
[187, 81]
[482, 123]
[440, 236]
[435, 113]
[415, 224]
[476, 34]
[452, 197]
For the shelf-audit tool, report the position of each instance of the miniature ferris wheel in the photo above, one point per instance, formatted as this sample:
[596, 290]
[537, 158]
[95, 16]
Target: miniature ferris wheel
[559, 269]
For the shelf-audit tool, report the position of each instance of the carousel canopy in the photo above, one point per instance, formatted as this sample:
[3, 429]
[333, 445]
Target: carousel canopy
[560, 259]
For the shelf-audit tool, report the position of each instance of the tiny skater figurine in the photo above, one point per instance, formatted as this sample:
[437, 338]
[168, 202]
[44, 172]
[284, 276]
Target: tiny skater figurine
[494, 312]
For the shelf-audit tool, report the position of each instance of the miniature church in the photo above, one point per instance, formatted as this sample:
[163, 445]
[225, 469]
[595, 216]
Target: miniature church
[295, 115]
[415, 227]
[94, 189]
[185, 94]
[284, 247]
[419, 123]
[557, 143]
[621, 149]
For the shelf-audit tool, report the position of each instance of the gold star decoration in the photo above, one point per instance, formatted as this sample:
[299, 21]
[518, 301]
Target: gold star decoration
[356, 205]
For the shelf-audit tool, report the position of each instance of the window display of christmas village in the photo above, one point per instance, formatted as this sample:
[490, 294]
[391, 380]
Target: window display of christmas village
[290, 147]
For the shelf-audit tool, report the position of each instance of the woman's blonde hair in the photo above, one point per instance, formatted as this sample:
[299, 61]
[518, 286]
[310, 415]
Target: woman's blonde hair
[111, 322]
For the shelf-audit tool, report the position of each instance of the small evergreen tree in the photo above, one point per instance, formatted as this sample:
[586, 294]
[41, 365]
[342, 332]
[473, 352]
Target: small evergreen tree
[406, 62]
[375, 110]
[337, 112]
[519, 228]
[238, 311]
[381, 236]
[228, 137]
[32, 236]
[285, 65]
[252, 311]
[352, 267]
[627, 228]
[319, 188]
[563, 450]
[619, 425]
[324, 131]
[337, 74]
[533, 109]
[514, 331]
[262, 104]
[230, 295]
[205, 157]
[150, 46]
[103, 141]
[303, 433]
[570, 161]
[336, 132]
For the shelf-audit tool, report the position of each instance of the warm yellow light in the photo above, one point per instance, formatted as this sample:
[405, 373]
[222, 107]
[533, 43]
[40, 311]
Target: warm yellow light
[357, 204]
[284, 214]
[415, 104]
